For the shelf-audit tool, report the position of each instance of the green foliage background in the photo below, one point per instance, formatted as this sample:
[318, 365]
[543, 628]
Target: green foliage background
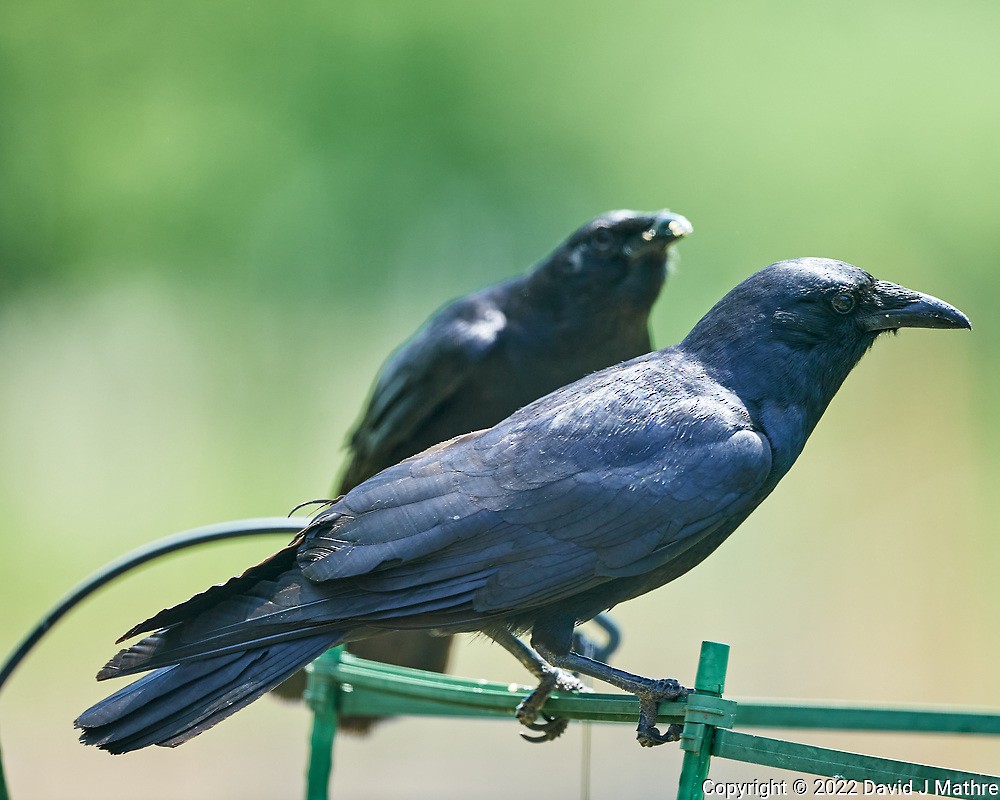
[216, 219]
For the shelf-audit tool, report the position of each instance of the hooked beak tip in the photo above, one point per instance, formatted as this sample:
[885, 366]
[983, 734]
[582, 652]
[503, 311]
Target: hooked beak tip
[904, 308]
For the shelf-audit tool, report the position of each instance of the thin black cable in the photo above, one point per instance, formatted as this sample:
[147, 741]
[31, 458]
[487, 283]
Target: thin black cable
[161, 547]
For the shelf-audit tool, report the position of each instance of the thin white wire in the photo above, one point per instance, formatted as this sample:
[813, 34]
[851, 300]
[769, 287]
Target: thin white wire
[585, 760]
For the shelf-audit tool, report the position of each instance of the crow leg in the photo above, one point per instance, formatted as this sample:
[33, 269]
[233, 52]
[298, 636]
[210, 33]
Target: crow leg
[649, 691]
[550, 679]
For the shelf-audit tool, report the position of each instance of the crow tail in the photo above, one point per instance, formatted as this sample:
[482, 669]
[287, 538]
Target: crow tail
[175, 703]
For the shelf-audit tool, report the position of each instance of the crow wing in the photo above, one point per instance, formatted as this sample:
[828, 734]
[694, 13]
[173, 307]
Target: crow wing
[613, 476]
[423, 375]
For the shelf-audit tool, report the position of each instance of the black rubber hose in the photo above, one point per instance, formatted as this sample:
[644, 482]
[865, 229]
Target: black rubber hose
[161, 547]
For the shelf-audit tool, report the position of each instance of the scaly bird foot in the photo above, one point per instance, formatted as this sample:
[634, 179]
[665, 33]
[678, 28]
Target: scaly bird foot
[647, 734]
[553, 679]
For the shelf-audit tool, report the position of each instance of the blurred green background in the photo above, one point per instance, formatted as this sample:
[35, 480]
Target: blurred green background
[217, 219]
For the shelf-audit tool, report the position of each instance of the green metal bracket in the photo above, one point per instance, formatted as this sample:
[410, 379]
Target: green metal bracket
[699, 728]
[322, 695]
[341, 683]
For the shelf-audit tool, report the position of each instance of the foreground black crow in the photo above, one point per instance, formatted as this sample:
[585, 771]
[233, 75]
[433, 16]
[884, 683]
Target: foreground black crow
[592, 495]
[480, 358]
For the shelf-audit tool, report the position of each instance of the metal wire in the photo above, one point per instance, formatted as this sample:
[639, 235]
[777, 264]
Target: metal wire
[259, 526]
[210, 533]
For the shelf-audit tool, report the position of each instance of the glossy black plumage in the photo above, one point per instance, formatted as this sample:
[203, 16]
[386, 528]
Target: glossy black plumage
[594, 494]
[480, 358]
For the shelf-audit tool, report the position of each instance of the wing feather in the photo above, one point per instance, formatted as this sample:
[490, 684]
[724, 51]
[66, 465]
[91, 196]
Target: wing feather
[572, 491]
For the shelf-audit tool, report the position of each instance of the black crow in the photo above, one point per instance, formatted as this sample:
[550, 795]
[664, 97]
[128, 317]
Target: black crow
[592, 495]
[480, 358]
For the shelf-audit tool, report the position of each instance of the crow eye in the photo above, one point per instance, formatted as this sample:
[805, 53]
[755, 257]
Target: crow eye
[603, 238]
[842, 303]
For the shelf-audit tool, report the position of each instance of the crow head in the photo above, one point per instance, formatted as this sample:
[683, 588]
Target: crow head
[816, 302]
[618, 259]
[793, 331]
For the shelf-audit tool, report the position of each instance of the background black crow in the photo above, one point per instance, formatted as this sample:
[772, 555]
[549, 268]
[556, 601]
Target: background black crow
[480, 358]
[592, 495]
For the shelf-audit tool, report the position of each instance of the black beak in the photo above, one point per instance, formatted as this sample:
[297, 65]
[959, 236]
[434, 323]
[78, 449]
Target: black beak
[898, 307]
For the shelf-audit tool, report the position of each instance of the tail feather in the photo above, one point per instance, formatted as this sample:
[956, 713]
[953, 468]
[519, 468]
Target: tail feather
[175, 703]
[268, 570]
[269, 676]
[163, 650]
[158, 695]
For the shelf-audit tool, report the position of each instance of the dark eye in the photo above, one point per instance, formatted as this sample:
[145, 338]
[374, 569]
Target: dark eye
[842, 303]
[603, 238]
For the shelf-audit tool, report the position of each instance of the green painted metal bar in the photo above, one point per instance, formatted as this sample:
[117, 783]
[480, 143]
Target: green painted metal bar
[851, 766]
[321, 695]
[372, 688]
[354, 685]
[698, 734]
[384, 689]
[3, 783]
[763, 714]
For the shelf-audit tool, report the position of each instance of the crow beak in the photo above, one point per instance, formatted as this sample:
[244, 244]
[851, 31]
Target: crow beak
[899, 307]
[666, 228]
[669, 226]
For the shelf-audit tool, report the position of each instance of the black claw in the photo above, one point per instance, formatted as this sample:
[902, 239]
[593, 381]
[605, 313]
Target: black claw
[647, 734]
[651, 736]
[540, 726]
[674, 732]
[552, 728]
